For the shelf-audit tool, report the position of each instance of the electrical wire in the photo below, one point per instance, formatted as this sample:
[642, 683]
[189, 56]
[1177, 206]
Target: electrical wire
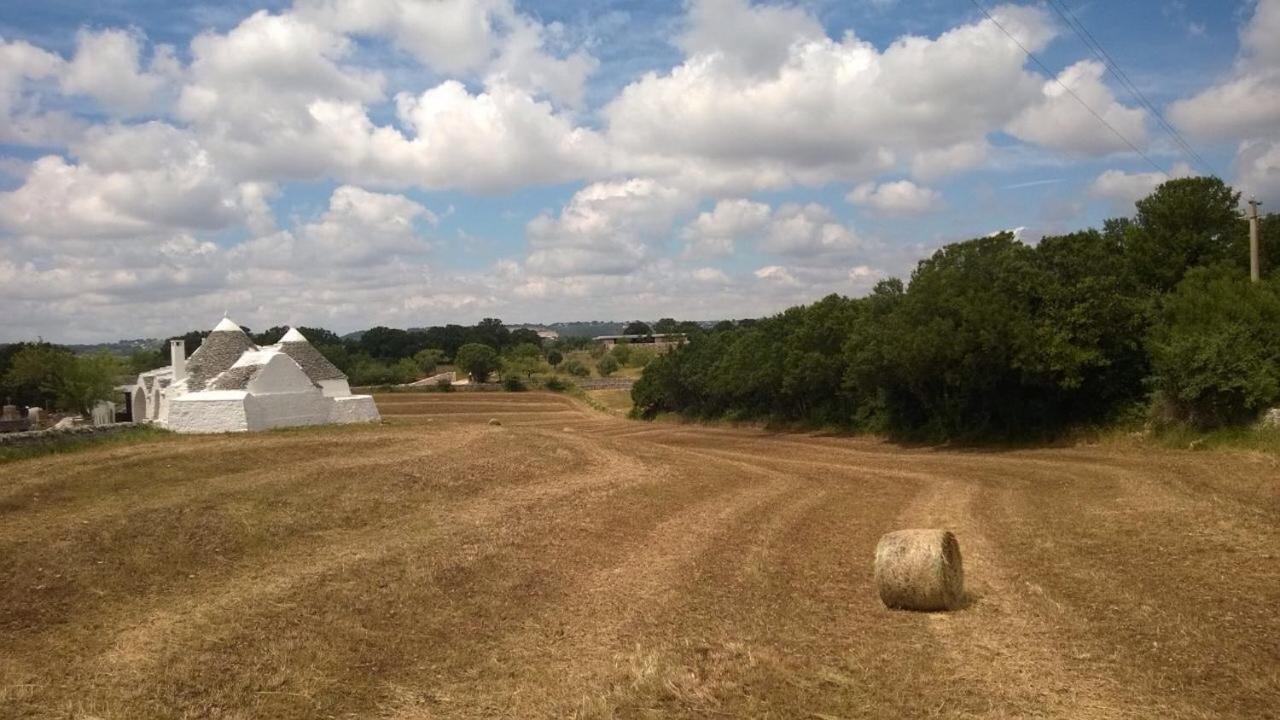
[1068, 90]
[1100, 52]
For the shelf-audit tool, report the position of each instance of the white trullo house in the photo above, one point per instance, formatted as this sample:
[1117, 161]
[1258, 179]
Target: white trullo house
[229, 385]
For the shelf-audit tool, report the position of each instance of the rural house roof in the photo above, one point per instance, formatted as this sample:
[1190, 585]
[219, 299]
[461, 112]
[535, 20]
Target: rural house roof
[316, 366]
[219, 351]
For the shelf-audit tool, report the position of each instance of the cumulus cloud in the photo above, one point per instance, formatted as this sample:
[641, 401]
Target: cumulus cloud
[826, 109]
[808, 231]
[1244, 107]
[484, 38]
[106, 67]
[131, 181]
[606, 228]
[715, 233]
[22, 119]
[1060, 122]
[1125, 188]
[901, 197]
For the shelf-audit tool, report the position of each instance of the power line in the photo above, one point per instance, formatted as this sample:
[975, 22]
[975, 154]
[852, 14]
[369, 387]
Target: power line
[1068, 90]
[1100, 52]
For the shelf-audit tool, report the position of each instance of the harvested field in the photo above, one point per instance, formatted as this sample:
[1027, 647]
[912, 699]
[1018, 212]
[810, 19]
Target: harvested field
[570, 563]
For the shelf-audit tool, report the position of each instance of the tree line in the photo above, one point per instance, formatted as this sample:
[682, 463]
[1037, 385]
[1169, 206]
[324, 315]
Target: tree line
[1151, 316]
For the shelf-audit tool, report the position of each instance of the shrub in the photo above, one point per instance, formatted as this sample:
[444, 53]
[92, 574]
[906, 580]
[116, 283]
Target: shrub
[576, 368]
[554, 357]
[607, 366]
[428, 360]
[513, 383]
[556, 384]
[1215, 348]
[622, 353]
[443, 385]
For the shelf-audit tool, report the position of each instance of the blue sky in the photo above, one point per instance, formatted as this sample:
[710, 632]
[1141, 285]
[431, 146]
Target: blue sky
[346, 164]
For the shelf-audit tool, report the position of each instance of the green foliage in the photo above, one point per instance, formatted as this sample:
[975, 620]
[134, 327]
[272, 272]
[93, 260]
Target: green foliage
[513, 383]
[443, 385]
[1215, 348]
[477, 360]
[556, 384]
[1184, 223]
[554, 357]
[607, 366]
[72, 382]
[367, 371]
[621, 353]
[576, 368]
[524, 359]
[640, 356]
[666, 325]
[993, 338]
[637, 328]
[428, 360]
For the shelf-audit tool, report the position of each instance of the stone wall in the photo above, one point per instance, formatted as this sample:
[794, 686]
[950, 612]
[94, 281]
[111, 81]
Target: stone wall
[35, 437]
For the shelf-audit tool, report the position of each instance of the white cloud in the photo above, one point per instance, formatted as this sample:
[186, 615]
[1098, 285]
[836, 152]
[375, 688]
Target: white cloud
[714, 233]
[471, 38]
[22, 120]
[746, 39]
[808, 231]
[1245, 106]
[1060, 122]
[106, 67]
[131, 181]
[1126, 188]
[606, 228]
[901, 197]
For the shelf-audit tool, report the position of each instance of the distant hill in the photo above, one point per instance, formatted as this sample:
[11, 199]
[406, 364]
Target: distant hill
[119, 347]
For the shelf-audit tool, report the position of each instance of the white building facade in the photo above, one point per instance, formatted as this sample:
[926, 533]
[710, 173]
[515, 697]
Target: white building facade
[231, 385]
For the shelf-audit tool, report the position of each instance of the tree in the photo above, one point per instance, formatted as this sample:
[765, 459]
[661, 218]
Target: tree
[523, 359]
[524, 336]
[76, 383]
[637, 328]
[607, 366]
[271, 336]
[1184, 223]
[491, 332]
[427, 360]
[1215, 349]
[554, 357]
[622, 353]
[477, 360]
[666, 325]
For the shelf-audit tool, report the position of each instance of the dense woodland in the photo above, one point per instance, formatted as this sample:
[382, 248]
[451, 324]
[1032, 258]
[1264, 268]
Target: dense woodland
[1152, 317]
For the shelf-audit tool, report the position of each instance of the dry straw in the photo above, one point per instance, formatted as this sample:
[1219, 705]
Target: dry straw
[919, 570]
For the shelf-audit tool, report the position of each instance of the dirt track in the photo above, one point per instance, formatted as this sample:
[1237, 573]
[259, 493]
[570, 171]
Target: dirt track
[569, 563]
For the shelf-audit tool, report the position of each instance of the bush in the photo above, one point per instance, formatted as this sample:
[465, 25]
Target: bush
[428, 360]
[443, 385]
[622, 353]
[513, 383]
[576, 368]
[1215, 348]
[607, 366]
[554, 357]
[556, 384]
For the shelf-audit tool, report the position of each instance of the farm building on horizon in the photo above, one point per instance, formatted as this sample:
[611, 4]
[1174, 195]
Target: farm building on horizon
[229, 384]
[660, 342]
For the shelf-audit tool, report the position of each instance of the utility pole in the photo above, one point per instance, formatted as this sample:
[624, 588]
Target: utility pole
[1254, 273]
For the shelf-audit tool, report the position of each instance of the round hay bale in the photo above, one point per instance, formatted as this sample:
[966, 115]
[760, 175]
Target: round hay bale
[494, 421]
[919, 570]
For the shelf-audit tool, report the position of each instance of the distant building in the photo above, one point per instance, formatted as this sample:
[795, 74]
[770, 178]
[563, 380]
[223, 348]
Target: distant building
[231, 385]
[546, 334]
[661, 342]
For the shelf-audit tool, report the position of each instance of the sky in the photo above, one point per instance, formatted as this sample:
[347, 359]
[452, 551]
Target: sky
[351, 163]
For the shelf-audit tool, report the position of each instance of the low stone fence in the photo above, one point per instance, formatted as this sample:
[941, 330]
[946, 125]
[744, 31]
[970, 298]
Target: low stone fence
[35, 437]
[604, 383]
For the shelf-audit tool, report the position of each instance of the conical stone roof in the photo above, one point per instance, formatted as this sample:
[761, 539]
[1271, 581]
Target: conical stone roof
[316, 366]
[219, 351]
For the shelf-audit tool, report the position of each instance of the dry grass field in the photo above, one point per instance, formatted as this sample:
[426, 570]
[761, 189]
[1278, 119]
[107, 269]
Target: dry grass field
[570, 563]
